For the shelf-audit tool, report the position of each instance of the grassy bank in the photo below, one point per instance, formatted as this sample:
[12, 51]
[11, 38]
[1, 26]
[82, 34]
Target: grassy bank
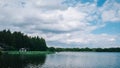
[27, 52]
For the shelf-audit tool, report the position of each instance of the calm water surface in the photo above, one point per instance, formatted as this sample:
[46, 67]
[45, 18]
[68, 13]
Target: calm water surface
[63, 60]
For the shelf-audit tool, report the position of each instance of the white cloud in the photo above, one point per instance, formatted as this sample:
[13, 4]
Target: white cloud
[110, 11]
[58, 22]
[102, 40]
[110, 15]
[48, 4]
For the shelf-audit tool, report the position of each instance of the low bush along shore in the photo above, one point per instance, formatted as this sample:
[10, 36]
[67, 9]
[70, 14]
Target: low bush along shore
[27, 52]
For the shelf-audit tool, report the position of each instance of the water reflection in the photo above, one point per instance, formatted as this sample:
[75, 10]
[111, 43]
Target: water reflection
[21, 61]
[63, 60]
[83, 60]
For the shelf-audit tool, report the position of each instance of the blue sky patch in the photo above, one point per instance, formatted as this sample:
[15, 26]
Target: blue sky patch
[100, 3]
[109, 28]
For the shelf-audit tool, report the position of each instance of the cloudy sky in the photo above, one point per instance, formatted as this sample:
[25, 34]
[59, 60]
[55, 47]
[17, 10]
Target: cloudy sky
[65, 23]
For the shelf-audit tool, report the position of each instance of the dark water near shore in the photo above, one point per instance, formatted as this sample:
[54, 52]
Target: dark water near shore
[63, 60]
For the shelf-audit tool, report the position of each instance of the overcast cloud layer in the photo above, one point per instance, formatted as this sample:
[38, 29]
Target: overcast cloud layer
[64, 23]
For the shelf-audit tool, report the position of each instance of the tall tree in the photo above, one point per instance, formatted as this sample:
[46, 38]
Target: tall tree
[17, 40]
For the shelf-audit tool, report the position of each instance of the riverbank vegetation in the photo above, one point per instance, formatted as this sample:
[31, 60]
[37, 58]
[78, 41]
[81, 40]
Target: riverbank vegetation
[27, 52]
[117, 49]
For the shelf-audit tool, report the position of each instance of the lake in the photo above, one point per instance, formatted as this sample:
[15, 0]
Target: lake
[63, 60]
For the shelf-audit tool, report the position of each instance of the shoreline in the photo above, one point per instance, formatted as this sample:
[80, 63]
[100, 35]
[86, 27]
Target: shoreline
[27, 52]
[40, 52]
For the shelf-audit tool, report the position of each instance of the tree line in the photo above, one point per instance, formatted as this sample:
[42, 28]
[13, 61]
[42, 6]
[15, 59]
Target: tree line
[117, 49]
[16, 40]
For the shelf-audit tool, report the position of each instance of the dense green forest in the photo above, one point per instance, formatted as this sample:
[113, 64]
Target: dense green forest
[16, 40]
[117, 49]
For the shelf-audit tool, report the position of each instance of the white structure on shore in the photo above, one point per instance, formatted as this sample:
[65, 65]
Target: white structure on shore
[23, 50]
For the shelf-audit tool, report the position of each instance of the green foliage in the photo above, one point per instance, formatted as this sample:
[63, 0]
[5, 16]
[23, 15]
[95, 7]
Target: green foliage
[52, 49]
[17, 40]
[73, 49]
[28, 52]
[89, 49]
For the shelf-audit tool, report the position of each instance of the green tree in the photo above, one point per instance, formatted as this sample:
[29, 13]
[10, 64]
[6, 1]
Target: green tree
[17, 40]
[51, 49]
